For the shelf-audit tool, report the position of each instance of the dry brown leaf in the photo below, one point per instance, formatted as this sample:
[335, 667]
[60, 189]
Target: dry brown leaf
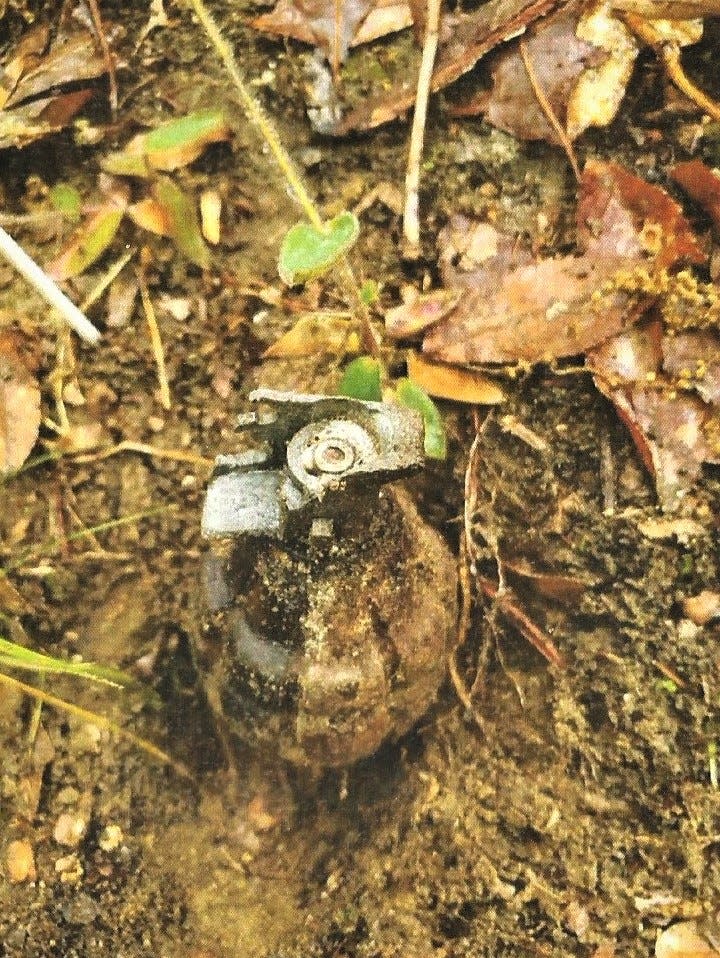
[561, 588]
[472, 251]
[619, 213]
[675, 431]
[328, 24]
[537, 313]
[702, 184]
[471, 36]
[600, 89]
[514, 310]
[33, 102]
[386, 17]
[451, 382]
[19, 407]
[558, 59]
[420, 313]
[315, 334]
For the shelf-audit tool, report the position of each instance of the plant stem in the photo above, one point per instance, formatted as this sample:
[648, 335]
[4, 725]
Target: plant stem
[411, 216]
[95, 718]
[266, 128]
[255, 114]
[49, 291]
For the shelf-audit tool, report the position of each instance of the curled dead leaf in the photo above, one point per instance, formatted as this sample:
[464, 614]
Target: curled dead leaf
[453, 382]
[420, 313]
[19, 407]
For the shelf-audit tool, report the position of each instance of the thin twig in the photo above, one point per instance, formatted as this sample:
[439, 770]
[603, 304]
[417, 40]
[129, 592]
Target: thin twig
[256, 115]
[96, 719]
[145, 449]
[669, 53]
[47, 288]
[547, 109]
[107, 55]
[110, 275]
[466, 563]
[463, 630]
[155, 342]
[534, 635]
[411, 217]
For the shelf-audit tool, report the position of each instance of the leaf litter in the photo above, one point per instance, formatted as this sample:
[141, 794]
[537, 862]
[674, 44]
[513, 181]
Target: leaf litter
[34, 99]
[501, 306]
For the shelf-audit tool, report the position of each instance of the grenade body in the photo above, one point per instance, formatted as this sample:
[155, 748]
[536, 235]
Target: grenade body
[321, 645]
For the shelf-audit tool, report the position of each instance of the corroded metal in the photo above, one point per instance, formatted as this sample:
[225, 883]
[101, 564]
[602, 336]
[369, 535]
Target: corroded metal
[310, 455]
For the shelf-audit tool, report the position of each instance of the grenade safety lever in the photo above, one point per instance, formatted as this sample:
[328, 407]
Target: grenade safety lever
[309, 451]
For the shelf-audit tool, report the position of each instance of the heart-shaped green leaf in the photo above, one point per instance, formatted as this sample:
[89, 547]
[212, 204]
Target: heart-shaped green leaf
[308, 252]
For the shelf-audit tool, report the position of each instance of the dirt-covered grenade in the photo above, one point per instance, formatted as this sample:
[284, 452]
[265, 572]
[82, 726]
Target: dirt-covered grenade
[330, 601]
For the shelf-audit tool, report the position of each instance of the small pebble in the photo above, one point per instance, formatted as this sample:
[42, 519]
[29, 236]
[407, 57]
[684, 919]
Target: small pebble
[69, 829]
[682, 940]
[69, 869]
[20, 861]
[80, 910]
[156, 423]
[110, 838]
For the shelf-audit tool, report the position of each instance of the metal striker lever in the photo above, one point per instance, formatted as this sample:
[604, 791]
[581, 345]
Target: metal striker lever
[308, 453]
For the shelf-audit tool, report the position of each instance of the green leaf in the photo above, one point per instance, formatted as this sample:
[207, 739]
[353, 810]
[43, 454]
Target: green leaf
[66, 200]
[361, 379]
[126, 163]
[183, 223]
[88, 244]
[17, 656]
[414, 397]
[308, 252]
[178, 142]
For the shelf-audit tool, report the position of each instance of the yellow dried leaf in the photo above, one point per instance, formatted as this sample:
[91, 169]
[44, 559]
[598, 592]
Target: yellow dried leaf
[599, 91]
[682, 32]
[314, 334]
[453, 382]
[82, 437]
[210, 208]
[19, 409]
[150, 215]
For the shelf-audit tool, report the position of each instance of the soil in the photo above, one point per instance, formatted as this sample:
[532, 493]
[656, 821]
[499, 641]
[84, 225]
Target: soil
[573, 809]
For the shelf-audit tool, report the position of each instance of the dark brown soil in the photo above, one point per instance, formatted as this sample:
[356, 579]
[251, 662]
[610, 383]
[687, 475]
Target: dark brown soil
[576, 808]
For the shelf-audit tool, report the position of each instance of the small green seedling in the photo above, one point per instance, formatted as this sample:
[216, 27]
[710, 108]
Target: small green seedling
[414, 397]
[361, 379]
[308, 252]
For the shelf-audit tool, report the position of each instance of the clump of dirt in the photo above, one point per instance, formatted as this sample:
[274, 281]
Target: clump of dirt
[576, 806]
